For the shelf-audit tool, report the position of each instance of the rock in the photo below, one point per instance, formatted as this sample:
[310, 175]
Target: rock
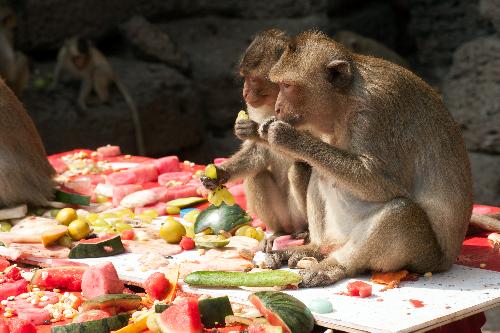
[439, 27]
[150, 43]
[490, 9]
[168, 105]
[471, 92]
[486, 178]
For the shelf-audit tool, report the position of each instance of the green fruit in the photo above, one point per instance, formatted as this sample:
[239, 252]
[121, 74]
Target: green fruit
[213, 311]
[5, 226]
[78, 229]
[242, 279]
[222, 218]
[116, 302]
[185, 202]
[97, 247]
[210, 241]
[172, 231]
[65, 241]
[66, 215]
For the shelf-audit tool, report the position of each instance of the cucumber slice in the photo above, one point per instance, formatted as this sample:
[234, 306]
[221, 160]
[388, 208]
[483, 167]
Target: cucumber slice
[186, 202]
[72, 198]
[242, 279]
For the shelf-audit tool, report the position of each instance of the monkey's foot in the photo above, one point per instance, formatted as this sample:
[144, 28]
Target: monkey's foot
[246, 129]
[300, 252]
[301, 235]
[275, 259]
[322, 275]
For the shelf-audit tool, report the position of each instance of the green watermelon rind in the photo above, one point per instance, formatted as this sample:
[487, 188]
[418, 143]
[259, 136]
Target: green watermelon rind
[213, 311]
[292, 312]
[121, 302]
[93, 326]
[220, 218]
[97, 249]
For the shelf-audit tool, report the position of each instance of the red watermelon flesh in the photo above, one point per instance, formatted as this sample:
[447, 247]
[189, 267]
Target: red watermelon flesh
[167, 164]
[141, 174]
[35, 316]
[4, 263]
[162, 192]
[183, 317]
[13, 288]
[182, 191]
[181, 176]
[159, 207]
[17, 325]
[109, 151]
[220, 160]
[65, 278]
[101, 279]
[4, 328]
[121, 191]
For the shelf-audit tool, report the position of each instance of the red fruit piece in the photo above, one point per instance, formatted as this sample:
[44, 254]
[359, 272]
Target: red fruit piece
[4, 263]
[359, 288]
[17, 325]
[13, 274]
[156, 286]
[100, 280]
[128, 235]
[183, 317]
[4, 328]
[187, 243]
[13, 288]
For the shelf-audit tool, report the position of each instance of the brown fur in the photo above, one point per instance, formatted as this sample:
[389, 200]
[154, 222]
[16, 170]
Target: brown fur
[14, 67]
[390, 184]
[367, 46]
[79, 58]
[275, 185]
[25, 173]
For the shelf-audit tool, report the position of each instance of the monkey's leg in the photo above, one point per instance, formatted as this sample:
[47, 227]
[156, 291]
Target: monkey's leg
[101, 87]
[399, 236]
[85, 90]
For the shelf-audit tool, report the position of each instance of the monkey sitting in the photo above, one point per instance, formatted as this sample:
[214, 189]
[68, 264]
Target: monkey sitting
[367, 46]
[83, 61]
[391, 185]
[275, 185]
[25, 173]
[14, 66]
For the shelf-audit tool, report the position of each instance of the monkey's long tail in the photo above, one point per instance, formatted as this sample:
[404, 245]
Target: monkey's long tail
[489, 222]
[139, 138]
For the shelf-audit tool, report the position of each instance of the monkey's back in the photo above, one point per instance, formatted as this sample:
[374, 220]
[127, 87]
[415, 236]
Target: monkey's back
[25, 173]
[424, 140]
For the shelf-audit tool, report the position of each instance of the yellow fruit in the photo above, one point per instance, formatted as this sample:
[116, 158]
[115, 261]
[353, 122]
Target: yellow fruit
[66, 215]
[172, 231]
[260, 234]
[211, 171]
[215, 197]
[151, 212]
[173, 210]
[51, 236]
[65, 241]
[92, 217]
[242, 115]
[5, 226]
[78, 229]
[241, 230]
[190, 231]
[101, 198]
[125, 213]
[192, 215]
[145, 218]
[227, 197]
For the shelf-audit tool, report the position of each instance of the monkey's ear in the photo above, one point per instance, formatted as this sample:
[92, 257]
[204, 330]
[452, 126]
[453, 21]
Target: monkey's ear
[339, 73]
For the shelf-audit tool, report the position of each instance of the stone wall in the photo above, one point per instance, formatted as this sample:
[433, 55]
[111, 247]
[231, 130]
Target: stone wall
[179, 58]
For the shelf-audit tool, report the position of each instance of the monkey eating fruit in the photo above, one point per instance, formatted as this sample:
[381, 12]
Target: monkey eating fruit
[83, 61]
[275, 184]
[391, 186]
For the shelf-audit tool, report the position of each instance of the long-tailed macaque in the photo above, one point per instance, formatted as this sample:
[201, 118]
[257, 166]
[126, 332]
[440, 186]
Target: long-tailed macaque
[14, 66]
[275, 185]
[83, 61]
[25, 173]
[391, 185]
[367, 46]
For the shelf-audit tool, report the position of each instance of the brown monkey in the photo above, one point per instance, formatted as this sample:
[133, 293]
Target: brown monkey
[83, 61]
[25, 173]
[275, 185]
[390, 186]
[14, 67]
[367, 46]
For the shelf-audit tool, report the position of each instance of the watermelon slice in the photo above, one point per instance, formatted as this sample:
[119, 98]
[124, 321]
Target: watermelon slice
[141, 174]
[359, 288]
[67, 278]
[109, 151]
[183, 191]
[91, 315]
[167, 164]
[181, 176]
[13, 288]
[183, 317]
[35, 316]
[18, 325]
[101, 279]
[121, 191]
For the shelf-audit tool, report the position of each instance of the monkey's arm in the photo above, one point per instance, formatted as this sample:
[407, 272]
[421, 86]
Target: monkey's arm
[360, 174]
[85, 90]
[250, 159]
[61, 56]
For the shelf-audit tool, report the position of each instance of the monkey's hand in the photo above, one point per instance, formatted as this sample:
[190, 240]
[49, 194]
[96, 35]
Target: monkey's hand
[246, 129]
[281, 133]
[264, 128]
[211, 183]
[324, 273]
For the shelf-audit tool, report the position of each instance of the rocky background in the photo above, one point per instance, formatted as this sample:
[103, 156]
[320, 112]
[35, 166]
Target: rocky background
[178, 59]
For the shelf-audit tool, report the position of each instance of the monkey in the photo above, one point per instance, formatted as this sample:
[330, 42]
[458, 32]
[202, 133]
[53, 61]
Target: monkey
[368, 46]
[275, 185]
[26, 177]
[14, 65]
[82, 60]
[390, 186]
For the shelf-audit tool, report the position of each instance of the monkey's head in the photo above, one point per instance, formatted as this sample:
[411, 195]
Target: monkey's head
[315, 75]
[79, 48]
[264, 51]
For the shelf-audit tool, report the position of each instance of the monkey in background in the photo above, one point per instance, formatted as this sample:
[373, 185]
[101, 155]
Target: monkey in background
[25, 173]
[79, 58]
[275, 185]
[368, 46]
[391, 185]
[14, 66]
